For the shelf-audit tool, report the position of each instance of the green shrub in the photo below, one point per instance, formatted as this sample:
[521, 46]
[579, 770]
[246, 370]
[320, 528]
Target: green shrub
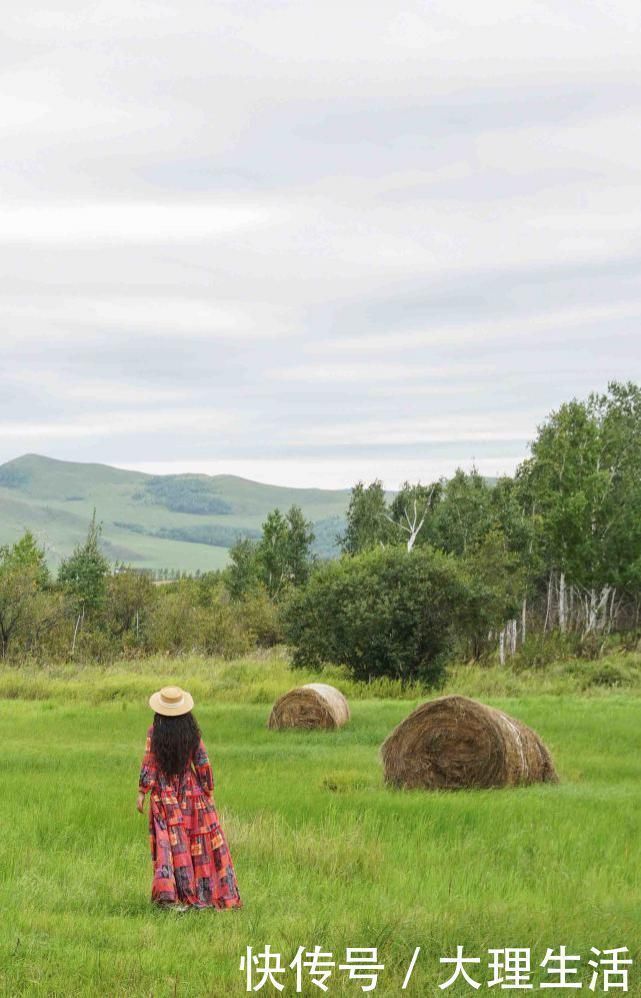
[542, 649]
[592, 645]
[385, 612]
[95, 644]
[610, 674]
[173, 623]
[220, 631]
[261, 615]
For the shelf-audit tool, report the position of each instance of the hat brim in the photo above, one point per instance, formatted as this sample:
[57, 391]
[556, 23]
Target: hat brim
[171, 710]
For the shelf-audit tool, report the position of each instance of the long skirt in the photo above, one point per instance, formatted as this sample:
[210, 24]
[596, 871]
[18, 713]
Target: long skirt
[192, 862]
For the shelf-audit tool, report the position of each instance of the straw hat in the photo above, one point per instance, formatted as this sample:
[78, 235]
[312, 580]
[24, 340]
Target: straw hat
[171, 701]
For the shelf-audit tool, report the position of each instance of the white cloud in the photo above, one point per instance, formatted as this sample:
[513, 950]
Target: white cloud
[124, 222]
[452, 428]
[160, 316]
[515, 328]
[113, 392]
[327, 226]
[118, 422]
[367, 372]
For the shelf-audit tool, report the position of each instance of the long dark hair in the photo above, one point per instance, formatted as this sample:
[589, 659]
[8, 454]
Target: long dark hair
[174, 741]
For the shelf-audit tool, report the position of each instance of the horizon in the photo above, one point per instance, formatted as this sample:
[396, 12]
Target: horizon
[190, 471]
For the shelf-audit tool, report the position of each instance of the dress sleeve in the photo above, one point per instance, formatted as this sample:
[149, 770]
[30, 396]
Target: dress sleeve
[148, 767]
[203, 769]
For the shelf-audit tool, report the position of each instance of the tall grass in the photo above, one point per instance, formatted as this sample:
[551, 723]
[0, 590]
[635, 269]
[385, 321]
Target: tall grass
[262, 676]
[324, 853]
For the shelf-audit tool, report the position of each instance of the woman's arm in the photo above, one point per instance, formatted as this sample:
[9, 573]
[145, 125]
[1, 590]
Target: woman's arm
[203, 769]
[147, 773]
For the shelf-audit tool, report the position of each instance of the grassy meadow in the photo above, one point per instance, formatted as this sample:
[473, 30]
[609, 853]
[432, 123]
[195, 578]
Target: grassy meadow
[324, 853]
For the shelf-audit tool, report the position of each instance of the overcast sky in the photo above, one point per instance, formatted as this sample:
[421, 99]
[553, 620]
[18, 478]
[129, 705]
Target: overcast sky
[311, 242]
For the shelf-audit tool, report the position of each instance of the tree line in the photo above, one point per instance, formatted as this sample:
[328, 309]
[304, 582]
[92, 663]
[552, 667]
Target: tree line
[547, 558]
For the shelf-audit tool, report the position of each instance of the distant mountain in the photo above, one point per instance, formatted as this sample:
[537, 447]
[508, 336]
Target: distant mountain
[185, 522]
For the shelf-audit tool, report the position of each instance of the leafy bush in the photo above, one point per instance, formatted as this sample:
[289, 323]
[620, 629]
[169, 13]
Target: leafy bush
[385, 612]
[178, 624]
[95, 644]
[611, 674]
[261, 616]
[592, 645]
[541, 649]
[173, 623]
[129, 598]
[222, 632]
[615, 671]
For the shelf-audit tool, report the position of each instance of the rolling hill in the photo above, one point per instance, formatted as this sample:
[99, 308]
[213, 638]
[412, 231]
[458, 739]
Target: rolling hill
[183, 522]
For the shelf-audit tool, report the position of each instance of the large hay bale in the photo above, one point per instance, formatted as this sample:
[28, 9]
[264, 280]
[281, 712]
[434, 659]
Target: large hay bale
[315, 705]
[454, 743]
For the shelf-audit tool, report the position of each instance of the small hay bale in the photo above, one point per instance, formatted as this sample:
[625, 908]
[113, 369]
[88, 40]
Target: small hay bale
[454, 743]
[315, 705]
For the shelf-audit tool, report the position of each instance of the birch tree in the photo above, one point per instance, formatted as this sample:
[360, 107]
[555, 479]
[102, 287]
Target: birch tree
[584, 480]
[411, 508]
[463, 517]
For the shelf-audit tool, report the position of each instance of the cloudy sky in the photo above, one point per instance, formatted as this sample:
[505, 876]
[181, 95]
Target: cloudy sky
[312, 242]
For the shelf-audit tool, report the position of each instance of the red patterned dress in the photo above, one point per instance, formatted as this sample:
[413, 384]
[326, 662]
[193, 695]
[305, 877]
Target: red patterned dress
[192, 863]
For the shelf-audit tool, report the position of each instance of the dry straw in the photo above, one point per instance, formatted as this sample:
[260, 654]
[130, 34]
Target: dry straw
[454, 743]
[315, 705]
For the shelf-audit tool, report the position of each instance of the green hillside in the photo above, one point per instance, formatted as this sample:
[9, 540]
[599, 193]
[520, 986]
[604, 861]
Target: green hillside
[184, 522]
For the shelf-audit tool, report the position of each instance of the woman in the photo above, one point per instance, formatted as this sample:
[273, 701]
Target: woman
[192, 864]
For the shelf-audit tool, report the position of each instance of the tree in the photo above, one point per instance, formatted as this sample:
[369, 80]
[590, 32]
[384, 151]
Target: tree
[243, 573]
[27, 553]
[368, 520]
[281, 558]
[300, 537]
[494, 584]
[410, 509]
[83, 575]
[273, 552]
[463, 516]
[381, 612]
[584, 488]
[514, 521]
[128, 596]
[23, 574]
[284, 550]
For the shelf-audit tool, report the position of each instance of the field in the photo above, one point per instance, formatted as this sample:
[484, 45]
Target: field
[324, 853]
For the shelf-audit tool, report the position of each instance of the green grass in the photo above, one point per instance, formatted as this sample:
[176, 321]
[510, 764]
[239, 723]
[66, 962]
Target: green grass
[324, 853]
[263, 676]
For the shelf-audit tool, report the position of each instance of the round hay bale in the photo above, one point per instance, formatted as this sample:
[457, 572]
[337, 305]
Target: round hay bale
[315, 705]
[455, 743]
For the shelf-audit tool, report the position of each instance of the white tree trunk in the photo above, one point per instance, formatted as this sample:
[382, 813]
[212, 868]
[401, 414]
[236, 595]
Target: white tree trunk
[512, 626]
[549, 604]
[562, 617]
[571, 609]
[602, 609]
[591, 612]
[75, 634]
[502, 647]
[523, 619]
